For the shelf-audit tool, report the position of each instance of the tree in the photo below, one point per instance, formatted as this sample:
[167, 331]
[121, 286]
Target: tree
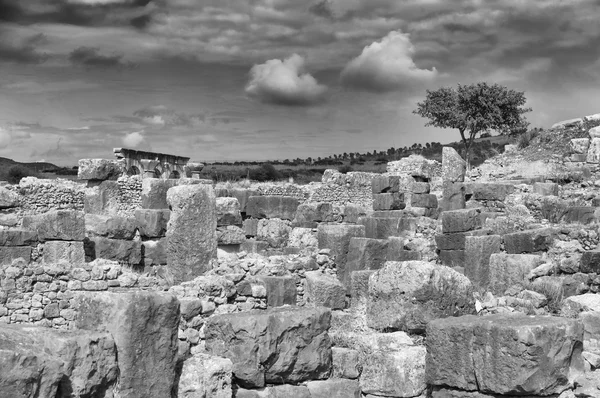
[474, 109]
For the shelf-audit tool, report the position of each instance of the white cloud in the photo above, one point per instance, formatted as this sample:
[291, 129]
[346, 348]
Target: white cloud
[5, 138]
[134, 139]
[386, 65]
[284, 83]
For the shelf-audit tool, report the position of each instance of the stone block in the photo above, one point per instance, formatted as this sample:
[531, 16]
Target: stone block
[337, 238]
[452, 258]
[388, 201]
[406, 295]
[397, 252]
[276, 346]
[308, 215]
[478, 250]
[144, 326]
[455, 241]
[325, 291]
[58, 251]
[8, 254]
[461, 220]
[580, 214]
[590, 262]
[334, 388]
[283, 207]
[593, 153]
[204, 376]
[359, 287]
[242, 196]
[503, 354]
[453, 196]
[191, 232]
[428, 201]
[154, 252]
[545, 188]
[126, 251]
[102, 198]
[398, 214]
[113, 227]
[230, 235]
[420, 188]
[280, 290]
[8, 198]
[384, 183]
[346, 363]
[352, 213]
[579, 145]
[154, 192]
[379, 227]
[57, 225]
[529, 241]
[250, 227]
[17, 237]
[506, 270]
[415, 166]
[152, 223]
[99, 169]
[363, 254]
[228, 212]
[254, 246]
[454, 166]
[489, 190]
[274, 231]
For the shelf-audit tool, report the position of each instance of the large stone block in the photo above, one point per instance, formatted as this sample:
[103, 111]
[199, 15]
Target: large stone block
[489, 190]
[308, 215]
[191, 232]
[277, 346]
[529, 241]
[337, 238]
[593, 153]
[17, 237]
[274, 231]
[230, 235]
[325, 290]
[407, 295]
[102, 198]
[8, 254]
[454, 166]
[456, 241]
[452, 258]
[334, 388]
[429, 201]
[125, 251]
[281, 290]
[113, 227]
[478, 250]
[242, 196]
[250, 226]
[154, 252]
[346, 363]
[380, 227]
[254, 246]
[8, 198]
[363, 254]
[359, 287]
[461, 220]
[580, 214]
[590, 262]
[204, 376]
[545, 188]
[453, 196]
[42, 362]
[579, 145]
[283, 207]
[396, 251]
[57, 251]
[57, 225]
[503, 354]
[506, 270]
[384, 183]
[154, 192]
[228, 212]
[416, 166]
[152, 223]
[99, 169]
[388, 201]
[144, 326]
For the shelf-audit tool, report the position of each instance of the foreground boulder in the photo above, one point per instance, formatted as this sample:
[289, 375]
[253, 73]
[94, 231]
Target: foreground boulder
[144, 326]
[42, 362]
[205, 376]
[406, 295]
[504, 354]
[277, 346]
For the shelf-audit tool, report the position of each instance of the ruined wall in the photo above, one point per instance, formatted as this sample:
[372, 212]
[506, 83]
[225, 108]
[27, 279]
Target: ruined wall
[40, 195]
[129, 195]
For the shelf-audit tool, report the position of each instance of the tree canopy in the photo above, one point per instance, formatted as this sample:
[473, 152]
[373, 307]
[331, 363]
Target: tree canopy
[474, 109]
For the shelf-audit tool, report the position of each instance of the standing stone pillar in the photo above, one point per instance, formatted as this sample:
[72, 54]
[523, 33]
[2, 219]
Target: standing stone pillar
[453, 175]
[149, 167]
[195, 169]
[191, 231]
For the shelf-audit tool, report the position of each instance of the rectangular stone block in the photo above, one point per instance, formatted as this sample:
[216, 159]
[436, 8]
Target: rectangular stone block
[379, 227]
[359, 287]
[125, 251]
[250, 227]
[546, 188]
[280, 290]
[529, 241]
[420, 187]
[461, 220]
[308, 215]
[389, 214]
[397, 252]
[503, 354]
[388, 201]
[453, 196]
[254, 246]
[580, 214]
[228, 212]
[110, 226]
[324, 290]
[337, 238]
[102, 198]
[590, 262]
[152, 223]
[63, 251]
[57, 225]
[363, 254]
[345, 363]
[385, 184]
[506, 270]
[154, 252]
[154, 192]
[10, 253]
[455, 241]
[242, 196]
[478, 250]
[489, 190]
[452, 258]
[17, 237]
[428, 201]
[283, 207]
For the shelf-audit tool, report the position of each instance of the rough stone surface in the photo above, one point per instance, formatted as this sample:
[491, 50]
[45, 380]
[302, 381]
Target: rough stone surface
[191, 232]
[127, 251]
[57, 251]
[407, 295]
[277, 346]
[152, 223]
[337, 238]
[308, 215]
[345, 362]
[384, 183]
[453, 196]
[489, 190]
[228, 212]
[454, 166]
[17, 237]
[363, 254]
[461, 220]
[478, 250]
[546, 188]
[593, 154]
[57, 225]
[416, 166]
[334, 388]
[274, 231]
[281, 290]
[388, 201]
[590, 261]
[9, 254]
[380, 227]
[428, 201]
[113, 227]
[205, 376]
[99, 169]
[283, 207]
[144, 327]
[154, 192]
[325, 290]
[503, 354]
[8, 199]
[506, 270]
[579, 145]
[452, 258]
[529, 241]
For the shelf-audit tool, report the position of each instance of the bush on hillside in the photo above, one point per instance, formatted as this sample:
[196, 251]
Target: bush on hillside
[266, 172]
[16, 172]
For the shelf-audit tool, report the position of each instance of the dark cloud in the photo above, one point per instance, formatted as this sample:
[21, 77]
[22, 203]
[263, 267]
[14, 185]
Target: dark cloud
[322, 9]
[24, 51]
[91, 57]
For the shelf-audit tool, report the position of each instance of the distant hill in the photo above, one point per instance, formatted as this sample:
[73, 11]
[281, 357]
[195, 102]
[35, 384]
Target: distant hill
[38, 167]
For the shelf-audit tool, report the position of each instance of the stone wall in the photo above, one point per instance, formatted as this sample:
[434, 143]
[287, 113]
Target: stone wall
[129, 194]
[40, 196]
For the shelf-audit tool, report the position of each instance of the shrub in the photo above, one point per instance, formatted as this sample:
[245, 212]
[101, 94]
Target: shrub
[16, 172]
[345, 169]
[525, 138]
[266, 172]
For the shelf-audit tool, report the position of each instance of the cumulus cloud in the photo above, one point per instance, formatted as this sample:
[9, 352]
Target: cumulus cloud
[284, 83]
[5, 138]
[386, 65]
[134, 139]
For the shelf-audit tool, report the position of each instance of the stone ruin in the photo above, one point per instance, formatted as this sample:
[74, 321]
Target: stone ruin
[418, 282]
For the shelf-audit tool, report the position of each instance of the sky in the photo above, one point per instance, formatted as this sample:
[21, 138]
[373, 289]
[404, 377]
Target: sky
[226, 80]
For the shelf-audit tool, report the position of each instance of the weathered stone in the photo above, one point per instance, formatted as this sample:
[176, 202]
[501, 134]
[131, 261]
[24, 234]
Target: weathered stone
[102, 198]
[407, 295]
[478, 250]
[283, 207]
[529, 241]
[99, 169]
[57, 251]
[230, 235]
[416, 166]
[506, 270]
[453, 196]
[579, 145]
[128, 251]
[593, 154]
[205, 376]
[489, 190]
[8, 198]
[242, 196]
[352, 213]
[113, 227]
[359, 287]
[394, 373]
[154, 252]
[308, 215]
[380, 227]
[396, 251]
[57, 225]
[191, 232]
[280, 345]
[228, 211]
[546, 188]
[461, 220]
[345, 363]
[334, 388]
[325, 290]
[590, 261]
[428, 201]
[363, 254]
[42, 362]
[337, 238]
[421, 188]
[503, 354]
[144, 327]
[303, 238]
[250, 227]
[454, 167]
[280, 290]
[274, 231]
[388, 201]
[154, 192]
[580, 214]
[452, 258]
[17, 237]
[384, 183]
[152, 223]
[456, 241]
[254, 246]
[8, 254]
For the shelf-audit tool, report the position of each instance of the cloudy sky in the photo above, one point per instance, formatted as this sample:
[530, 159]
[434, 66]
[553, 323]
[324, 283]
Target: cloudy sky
[274, 79]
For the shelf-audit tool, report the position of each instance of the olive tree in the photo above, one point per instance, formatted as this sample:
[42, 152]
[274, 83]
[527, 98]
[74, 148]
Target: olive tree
[474, 109]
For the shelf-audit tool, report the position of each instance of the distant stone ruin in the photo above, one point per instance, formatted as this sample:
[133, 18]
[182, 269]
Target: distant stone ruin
[151, 164]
